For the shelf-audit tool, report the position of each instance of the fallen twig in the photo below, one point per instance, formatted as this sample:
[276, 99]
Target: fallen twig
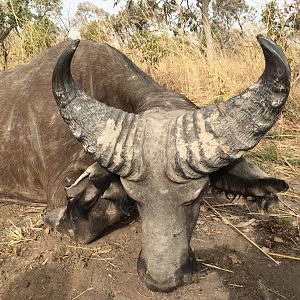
[264, 216]
[291, 194]
[292, 168]
[236, 285]
[227, 222]
[228, 204]
[284, 256]
[99, 258]
[215, 267]
[270, 290]
[289, 207]
[91, 288]
[20, 202]
[106, 260]
[98, 249]
[16, 242]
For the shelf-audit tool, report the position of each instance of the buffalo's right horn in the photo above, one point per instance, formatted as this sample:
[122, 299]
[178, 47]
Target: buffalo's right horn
[113, 136]
[213, 136]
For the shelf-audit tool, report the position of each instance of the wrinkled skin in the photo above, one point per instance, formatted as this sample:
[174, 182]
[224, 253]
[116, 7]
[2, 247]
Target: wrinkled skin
[148, 162]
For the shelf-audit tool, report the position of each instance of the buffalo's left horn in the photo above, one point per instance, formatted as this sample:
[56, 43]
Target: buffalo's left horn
[213, 136]
[113, 136]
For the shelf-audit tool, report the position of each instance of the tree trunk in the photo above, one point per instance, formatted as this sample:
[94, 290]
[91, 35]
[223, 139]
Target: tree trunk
[4, 33]
[4, 52]
[207, 31]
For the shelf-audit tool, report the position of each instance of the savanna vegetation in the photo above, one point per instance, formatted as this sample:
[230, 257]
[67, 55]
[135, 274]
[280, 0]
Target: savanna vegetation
[205, 49]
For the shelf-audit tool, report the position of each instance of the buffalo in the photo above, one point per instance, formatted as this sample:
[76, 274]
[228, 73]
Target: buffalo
[134, 139]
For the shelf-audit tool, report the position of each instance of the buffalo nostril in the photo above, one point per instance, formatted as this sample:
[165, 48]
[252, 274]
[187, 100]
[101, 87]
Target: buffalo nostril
[165, 281]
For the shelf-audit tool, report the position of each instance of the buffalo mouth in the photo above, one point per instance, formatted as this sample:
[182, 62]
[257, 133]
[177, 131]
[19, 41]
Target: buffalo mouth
[167, 282]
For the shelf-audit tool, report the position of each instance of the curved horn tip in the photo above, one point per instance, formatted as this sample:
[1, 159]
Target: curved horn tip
[63, 85]
[274, 50]
[70, 50]
[74, 44]
[270, 46]
[277, 71]
[265, 42]
[67, 55]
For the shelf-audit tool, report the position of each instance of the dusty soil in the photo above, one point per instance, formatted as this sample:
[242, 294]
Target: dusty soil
[36, 263]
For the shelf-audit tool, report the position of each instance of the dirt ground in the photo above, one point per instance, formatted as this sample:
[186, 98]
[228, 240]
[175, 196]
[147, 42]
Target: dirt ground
[36, 263]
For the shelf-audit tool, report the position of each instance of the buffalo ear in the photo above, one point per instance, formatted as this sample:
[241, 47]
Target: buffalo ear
[87, 188]
[243, 178]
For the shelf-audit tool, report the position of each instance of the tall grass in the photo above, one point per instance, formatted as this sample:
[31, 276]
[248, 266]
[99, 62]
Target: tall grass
[184, 68]
[22, 48]
[180, 64]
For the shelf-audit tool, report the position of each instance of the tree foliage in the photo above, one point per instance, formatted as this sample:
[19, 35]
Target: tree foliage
[228, 13]
[93, 22]
[143, 24]
[14, 14]
[281, 22]
[33, 19]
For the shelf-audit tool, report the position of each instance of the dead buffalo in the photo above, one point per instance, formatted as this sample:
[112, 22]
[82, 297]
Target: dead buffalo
[149, 143]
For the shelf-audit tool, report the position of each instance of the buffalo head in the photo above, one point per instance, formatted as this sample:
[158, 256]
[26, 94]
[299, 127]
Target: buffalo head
[165, 149]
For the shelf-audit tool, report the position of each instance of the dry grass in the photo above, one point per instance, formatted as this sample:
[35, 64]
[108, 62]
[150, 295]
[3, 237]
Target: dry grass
[15, 235]
[184, 68]
[23, 48]
[21, 234]
[279, 151]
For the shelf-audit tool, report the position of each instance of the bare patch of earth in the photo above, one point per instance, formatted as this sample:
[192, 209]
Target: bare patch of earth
[36, 263]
